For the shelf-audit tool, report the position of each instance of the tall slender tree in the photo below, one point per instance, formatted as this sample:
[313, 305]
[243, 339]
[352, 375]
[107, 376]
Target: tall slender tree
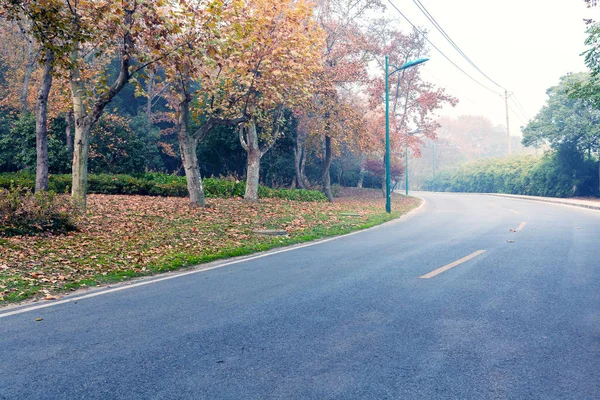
[134, 31]
[42, 21]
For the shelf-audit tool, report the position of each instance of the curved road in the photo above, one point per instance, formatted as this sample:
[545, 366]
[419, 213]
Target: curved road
[365, 316]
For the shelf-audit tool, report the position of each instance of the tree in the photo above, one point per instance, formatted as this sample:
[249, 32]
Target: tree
[565, 122]
[412, 101]
[19, 58]
[135, 32]
[329, 119]
[260, 64]
[278, 70]
[44, 22]
[189, 69]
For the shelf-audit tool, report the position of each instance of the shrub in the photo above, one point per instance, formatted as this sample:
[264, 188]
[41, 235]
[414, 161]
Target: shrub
[553, 175]
[214, 187]
[25, 213]
[156, 184]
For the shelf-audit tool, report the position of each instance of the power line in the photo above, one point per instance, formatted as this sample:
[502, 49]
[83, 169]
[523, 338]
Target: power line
[521, 112]
[461, 96]
[445, 35]
[516, 114]
[449, 39]
[441, 52]
[522, 108]
[432, 19]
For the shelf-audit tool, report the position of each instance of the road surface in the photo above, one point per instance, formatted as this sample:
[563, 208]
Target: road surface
[447, 303]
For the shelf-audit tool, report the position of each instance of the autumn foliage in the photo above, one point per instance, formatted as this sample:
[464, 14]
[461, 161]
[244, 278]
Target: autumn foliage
[194, 89]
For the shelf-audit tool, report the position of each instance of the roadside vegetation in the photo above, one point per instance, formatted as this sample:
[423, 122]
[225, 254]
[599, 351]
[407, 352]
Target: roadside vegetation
[567, 128]
[145, 136]
[549, 176]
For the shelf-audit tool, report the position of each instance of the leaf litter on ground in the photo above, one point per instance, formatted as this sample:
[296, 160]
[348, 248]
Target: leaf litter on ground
[127, 236]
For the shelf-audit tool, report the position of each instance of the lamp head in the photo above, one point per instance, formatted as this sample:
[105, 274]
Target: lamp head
[412, 63]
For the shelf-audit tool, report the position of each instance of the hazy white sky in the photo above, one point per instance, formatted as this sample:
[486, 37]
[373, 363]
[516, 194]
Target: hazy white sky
[524, 45]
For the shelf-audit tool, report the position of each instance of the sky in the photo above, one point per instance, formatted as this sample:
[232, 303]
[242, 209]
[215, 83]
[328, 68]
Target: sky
[523, 45]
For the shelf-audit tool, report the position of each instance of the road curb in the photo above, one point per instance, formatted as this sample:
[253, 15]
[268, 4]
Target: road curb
[545, 200]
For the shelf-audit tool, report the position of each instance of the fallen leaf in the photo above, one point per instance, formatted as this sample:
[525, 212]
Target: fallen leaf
[39, 319]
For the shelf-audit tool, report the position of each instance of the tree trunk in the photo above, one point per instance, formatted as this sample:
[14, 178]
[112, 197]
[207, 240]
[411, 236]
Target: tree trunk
[69, 131]
[361, 173]
[41, 124]
[303, 178]
[150, 91]
[81, 142]
[188, 145]
[298, 163]
[340, 175]
[81, 147]
[252, 177]
[253, 151]
[325, 176]
[31, 56]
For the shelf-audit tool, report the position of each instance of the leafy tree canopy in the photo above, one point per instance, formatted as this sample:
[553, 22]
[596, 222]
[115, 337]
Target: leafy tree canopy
[566, 121]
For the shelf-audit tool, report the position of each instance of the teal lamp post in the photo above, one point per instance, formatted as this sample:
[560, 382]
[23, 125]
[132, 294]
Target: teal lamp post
[388, 179]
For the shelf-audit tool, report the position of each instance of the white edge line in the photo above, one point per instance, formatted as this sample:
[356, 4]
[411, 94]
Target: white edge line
[199, 269]
[517, 197]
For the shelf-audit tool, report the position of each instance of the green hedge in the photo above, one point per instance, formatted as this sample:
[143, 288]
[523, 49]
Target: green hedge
[547, 176]
[156, 184]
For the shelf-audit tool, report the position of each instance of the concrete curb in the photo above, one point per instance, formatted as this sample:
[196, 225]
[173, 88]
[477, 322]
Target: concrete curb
[565, 202]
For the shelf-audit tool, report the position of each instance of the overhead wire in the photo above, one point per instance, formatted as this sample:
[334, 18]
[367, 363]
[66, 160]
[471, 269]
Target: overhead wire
[439, 51]
[441, 30]
[462, 96]
[449, 39]
[521, 107]
[521, 112]
[519, 117]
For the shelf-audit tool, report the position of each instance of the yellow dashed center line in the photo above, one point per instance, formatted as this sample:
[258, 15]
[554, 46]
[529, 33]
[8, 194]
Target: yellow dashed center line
[514, 211]
[521, 226]
[452, 265]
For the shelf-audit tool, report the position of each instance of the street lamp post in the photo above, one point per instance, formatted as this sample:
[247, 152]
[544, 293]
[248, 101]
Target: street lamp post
[388, 179]
[433, 164]
[406, 170]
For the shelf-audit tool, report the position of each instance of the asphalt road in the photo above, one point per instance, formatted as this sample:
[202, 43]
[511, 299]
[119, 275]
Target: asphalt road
[345, 319]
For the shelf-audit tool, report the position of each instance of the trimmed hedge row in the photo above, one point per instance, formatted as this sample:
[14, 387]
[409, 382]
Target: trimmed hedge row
[528, 175]
[155, 184]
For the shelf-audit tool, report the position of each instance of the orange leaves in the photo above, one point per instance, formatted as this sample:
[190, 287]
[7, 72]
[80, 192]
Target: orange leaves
[268, 54]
